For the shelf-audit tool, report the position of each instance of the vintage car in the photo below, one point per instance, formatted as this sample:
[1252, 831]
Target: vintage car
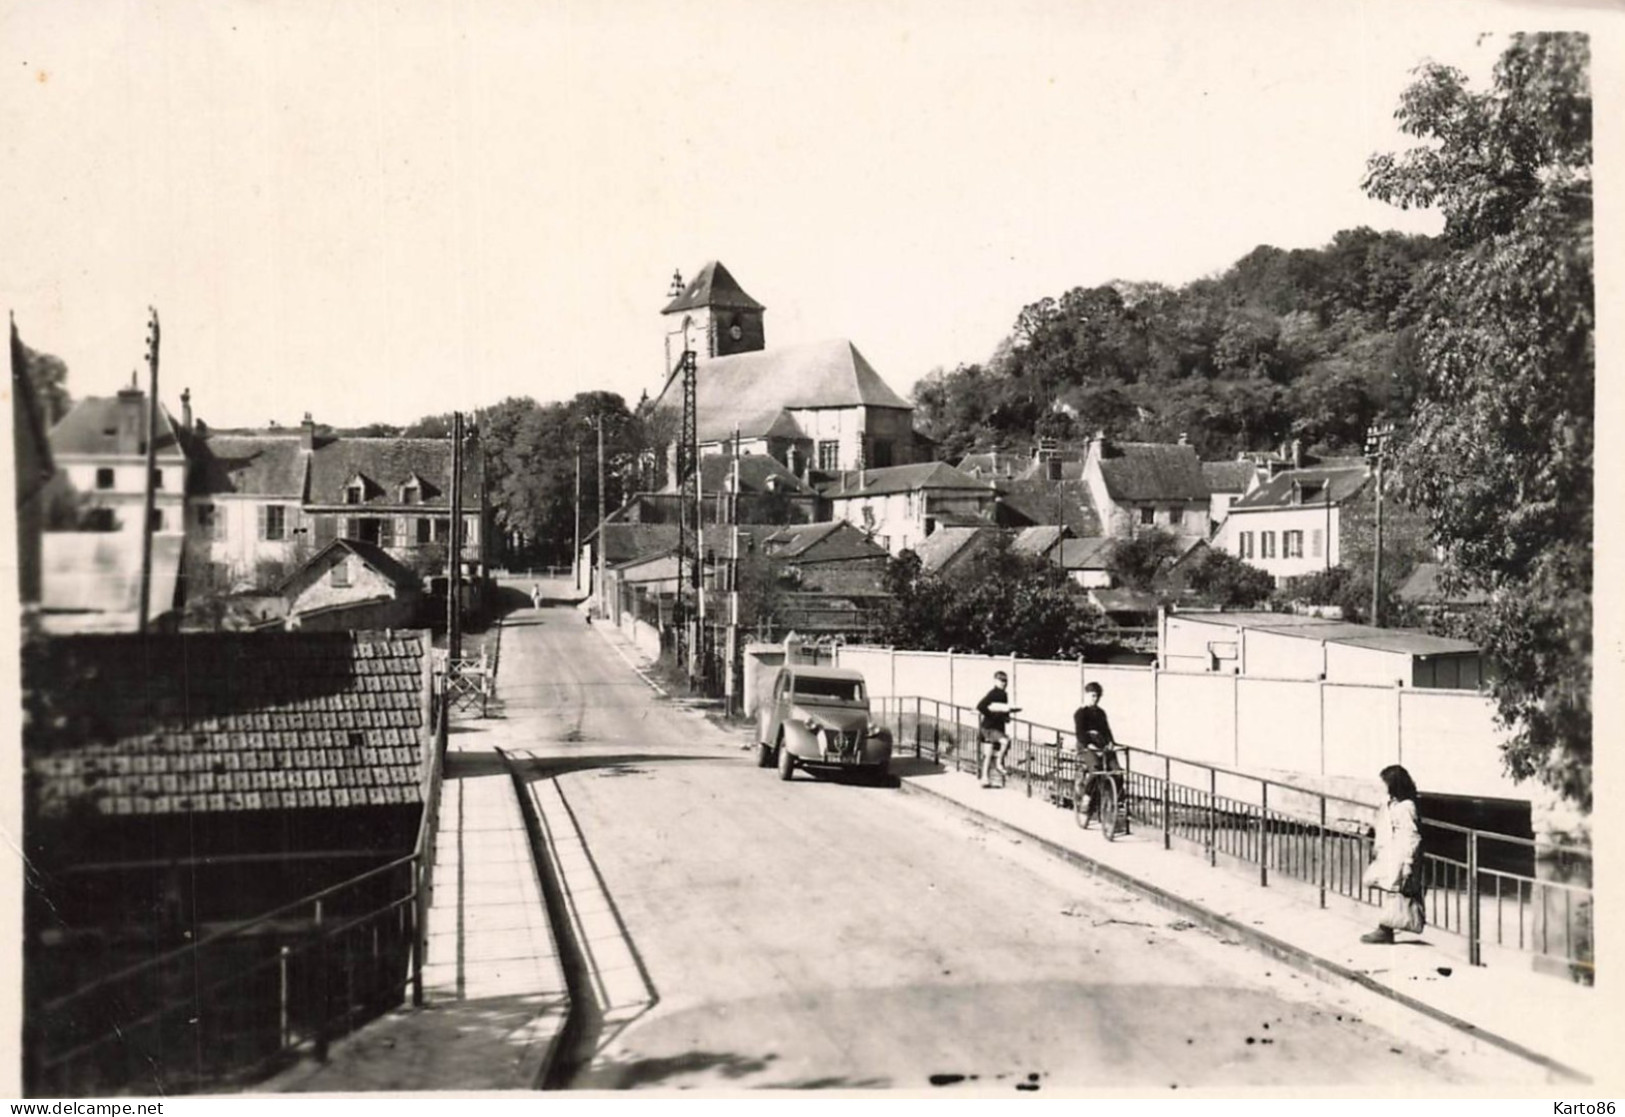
[818, 718]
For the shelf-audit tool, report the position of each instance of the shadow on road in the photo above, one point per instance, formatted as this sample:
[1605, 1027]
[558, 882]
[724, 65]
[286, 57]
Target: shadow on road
[545, 768]
[653, 1071]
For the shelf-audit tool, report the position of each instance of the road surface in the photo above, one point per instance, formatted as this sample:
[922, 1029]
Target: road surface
[817, 934]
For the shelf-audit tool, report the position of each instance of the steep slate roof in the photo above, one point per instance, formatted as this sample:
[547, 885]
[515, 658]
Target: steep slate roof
[1229, 477]
[1089, 553]
[627, 542]
[389, 463]
[228, 722]
[944, 546]
[398, 573]
[1422, 588]
[754, 472]
[902, 479]
[252, 465]
[1153, 471]
[1067, 503]
[1038, 540]
[831, 541]
[749, 391]
[712, 285]
[1342, 481]
[91, 427]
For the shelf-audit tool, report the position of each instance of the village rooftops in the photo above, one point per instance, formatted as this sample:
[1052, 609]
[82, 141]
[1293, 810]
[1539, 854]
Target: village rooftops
[752, 391]
[92, 428]
[1229, 477]
[758, 473]
[902, 479]
[1142, 471]
[1312, 485]
[830, 541]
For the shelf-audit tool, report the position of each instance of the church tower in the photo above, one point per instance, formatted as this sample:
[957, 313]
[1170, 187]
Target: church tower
[720, 319]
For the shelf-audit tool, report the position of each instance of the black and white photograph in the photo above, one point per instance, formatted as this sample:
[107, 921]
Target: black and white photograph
[887, 549]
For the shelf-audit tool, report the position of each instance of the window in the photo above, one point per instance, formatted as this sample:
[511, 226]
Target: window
[104, 478]
[442, 531]
[368, 529]
[1148, 515]
[883, 453]
[829, 455]
[157, 519]
[1317, 542]
[273, 522]
[1244, 545]
[425, 529]
[1266, 548]
[1292, 544]
[157, 478]
[100, 519]
[355, 492]
[411, 493]
[210, 523]
[341, 574]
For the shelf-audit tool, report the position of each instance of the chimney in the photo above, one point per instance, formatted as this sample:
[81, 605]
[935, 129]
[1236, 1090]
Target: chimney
[1184, 439]
[132, 419]
[186, 408]
[1297, 454]
[307, 433]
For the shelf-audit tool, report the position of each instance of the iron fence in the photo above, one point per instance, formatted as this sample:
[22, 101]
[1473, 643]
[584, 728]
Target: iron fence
[238, 1003]
[1481, 885]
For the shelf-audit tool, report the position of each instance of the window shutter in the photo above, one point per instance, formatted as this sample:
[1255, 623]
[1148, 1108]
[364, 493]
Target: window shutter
[260, 516]
[386, 531]
[324, 529]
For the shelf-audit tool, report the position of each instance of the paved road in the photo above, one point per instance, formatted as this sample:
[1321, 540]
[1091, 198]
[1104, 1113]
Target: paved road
[814, 934]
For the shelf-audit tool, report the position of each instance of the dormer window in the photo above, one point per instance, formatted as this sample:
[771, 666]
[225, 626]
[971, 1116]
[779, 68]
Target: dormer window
[355, 490]
[412, 492]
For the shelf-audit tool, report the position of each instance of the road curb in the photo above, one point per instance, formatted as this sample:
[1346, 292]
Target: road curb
[1285, 952]
[638, 671]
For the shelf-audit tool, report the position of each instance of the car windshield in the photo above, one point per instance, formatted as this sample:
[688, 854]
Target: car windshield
[840, 690]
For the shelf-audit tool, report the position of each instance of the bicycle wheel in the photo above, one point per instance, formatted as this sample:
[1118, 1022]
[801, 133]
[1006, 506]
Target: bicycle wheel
[1109, 803]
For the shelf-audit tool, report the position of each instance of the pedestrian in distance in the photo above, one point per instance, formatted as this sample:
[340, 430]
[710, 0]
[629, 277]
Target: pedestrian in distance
[1396, 863]
[994, 710]
[1095, 741]
[535, 595]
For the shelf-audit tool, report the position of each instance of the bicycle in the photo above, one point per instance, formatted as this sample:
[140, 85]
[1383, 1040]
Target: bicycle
[1099, 792]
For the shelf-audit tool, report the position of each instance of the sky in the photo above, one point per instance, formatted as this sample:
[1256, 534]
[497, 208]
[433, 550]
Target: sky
[375, 211]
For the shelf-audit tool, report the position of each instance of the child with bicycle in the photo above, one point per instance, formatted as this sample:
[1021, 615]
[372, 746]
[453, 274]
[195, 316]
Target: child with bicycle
[1096, 745]
[994, 710]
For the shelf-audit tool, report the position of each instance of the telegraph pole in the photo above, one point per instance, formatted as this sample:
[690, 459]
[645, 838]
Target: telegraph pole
[454, 562]
[602, 607]
[575, 555]
[1376, 449]
[152, 459]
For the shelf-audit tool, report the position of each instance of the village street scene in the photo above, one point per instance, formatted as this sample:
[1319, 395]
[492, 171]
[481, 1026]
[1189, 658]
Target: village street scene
[512, 658]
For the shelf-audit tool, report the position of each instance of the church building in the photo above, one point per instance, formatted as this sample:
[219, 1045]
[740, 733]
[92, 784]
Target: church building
[813, 407]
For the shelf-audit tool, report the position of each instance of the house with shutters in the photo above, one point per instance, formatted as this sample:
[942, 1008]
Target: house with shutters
[812, 407]
[1138, 485]
[904, 504]
[1292, 524]
[269, 500]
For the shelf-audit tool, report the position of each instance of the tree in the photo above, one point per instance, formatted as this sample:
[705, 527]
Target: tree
[1138, 563]
[1222, 579]
[1499, 447]
[49, 376]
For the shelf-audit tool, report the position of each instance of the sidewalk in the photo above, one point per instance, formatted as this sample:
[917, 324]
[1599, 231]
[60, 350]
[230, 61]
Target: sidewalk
[1537, 1016]
[495, 998]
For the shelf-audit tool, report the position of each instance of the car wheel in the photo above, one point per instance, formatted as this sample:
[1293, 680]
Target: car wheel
[764, 756]
[787, 762]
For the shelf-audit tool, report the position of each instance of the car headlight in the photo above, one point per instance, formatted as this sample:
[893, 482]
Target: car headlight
[812, 724]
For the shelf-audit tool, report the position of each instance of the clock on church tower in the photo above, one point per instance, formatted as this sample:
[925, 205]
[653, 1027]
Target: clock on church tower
[721, 318]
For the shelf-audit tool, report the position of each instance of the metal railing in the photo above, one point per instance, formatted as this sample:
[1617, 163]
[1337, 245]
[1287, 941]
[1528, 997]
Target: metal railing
[239, 1003]
[1481, 885]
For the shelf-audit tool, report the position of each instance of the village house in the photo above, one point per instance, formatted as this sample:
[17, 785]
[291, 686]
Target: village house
[1292, 524]
[903, 505]
[1228, 482]
[352, 585]
[1140, 485]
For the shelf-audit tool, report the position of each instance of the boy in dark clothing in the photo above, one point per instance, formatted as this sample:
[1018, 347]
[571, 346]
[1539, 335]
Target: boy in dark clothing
[1095, 740]
[995, 711]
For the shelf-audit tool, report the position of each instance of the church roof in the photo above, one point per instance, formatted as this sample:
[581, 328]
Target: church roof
[750, 391]
[712, 286]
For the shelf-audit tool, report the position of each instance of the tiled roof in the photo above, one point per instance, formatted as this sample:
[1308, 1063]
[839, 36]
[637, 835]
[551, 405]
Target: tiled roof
[1422, 588]
[1066, 503]
[1343, 482]
[942, 547]
[389, 463]
[625, 542]
[1037, 540]
[754, 472]
[1229, 477]
[832, 541]
[227, 722]
[750, 391]
[903, 479]
[91, 427]
[1137, 471]
[712, 285]
[252, 465]
[1089, 553]
[386, 564]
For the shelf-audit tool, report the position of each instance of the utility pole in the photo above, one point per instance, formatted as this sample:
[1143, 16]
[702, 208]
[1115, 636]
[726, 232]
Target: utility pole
[602, 608]
[1376, 449]
[152, 459]
[575, 555]
[454, 561]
